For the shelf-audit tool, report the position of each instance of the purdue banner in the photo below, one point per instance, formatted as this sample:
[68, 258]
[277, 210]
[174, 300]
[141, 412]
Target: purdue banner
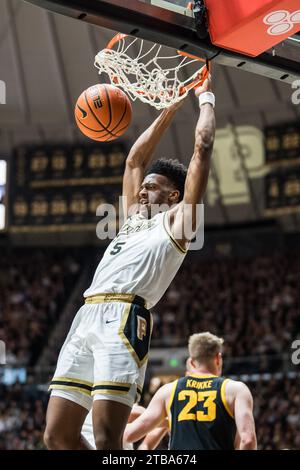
[59, 187]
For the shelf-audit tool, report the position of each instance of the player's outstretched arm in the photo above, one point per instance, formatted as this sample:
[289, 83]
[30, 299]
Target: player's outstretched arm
[243, 414]
[198, 170]
[152, 417]
[183, 218]
[153, 438]
[141, 154]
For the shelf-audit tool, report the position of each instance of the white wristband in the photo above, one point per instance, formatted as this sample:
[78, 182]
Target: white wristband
[207, 97]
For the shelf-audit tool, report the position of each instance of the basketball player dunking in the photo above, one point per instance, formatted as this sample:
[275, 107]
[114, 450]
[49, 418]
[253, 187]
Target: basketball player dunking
[103, 360]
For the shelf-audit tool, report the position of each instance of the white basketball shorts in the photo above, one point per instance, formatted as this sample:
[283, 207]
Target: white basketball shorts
[105, 353]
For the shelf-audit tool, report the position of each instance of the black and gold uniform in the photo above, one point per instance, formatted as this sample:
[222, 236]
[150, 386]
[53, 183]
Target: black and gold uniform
[199, 415]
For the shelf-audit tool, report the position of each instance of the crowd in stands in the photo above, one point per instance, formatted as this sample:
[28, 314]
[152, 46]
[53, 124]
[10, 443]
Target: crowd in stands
[277, 413]
[253, 303]
[22, 416]
[34, 286]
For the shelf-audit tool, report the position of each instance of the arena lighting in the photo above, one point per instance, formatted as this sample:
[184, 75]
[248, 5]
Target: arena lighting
[2, 92]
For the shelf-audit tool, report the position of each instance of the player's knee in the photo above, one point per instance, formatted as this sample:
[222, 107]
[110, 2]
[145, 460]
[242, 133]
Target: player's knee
[56, 441]
[50, 440]
[106, 439]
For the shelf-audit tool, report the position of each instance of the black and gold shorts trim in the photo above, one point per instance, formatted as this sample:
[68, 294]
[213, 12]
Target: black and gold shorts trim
[111, 388]
[106, 387]
[66, 383]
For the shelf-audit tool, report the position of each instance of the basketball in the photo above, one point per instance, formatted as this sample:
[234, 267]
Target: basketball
[103, 112]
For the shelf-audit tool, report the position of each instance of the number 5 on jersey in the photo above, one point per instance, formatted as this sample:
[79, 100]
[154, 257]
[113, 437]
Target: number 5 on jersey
[117, 248]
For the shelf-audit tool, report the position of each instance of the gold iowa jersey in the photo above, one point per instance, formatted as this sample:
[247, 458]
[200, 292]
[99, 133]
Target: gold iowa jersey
[199, 414]
[142, 260]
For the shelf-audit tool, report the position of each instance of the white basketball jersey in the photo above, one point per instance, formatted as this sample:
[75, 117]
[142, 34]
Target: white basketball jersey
[142, 260]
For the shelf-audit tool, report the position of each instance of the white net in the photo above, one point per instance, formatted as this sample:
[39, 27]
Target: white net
[142, 72]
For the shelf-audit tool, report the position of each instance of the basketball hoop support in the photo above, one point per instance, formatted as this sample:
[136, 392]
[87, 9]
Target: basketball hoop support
[174, 30]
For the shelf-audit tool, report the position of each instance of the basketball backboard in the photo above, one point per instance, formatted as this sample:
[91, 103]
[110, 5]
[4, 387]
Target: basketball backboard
[171, 23]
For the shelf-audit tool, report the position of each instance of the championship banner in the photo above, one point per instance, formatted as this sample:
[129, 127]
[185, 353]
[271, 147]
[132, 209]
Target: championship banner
[282, 192]
[59, 187]
[283, 144]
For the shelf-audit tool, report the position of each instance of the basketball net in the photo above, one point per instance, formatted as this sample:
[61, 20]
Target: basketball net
[155, 79]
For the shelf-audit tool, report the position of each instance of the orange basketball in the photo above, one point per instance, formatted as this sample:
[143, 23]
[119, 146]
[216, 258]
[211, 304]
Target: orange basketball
[103, 112]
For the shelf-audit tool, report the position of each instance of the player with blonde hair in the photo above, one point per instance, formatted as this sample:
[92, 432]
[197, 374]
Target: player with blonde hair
[205, 410]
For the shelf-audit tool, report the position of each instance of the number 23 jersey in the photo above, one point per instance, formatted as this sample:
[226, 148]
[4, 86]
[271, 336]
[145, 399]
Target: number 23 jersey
[199, 415]
[143, 260]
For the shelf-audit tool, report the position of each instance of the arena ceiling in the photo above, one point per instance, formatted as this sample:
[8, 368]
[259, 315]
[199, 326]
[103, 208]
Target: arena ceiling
[47, 61]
